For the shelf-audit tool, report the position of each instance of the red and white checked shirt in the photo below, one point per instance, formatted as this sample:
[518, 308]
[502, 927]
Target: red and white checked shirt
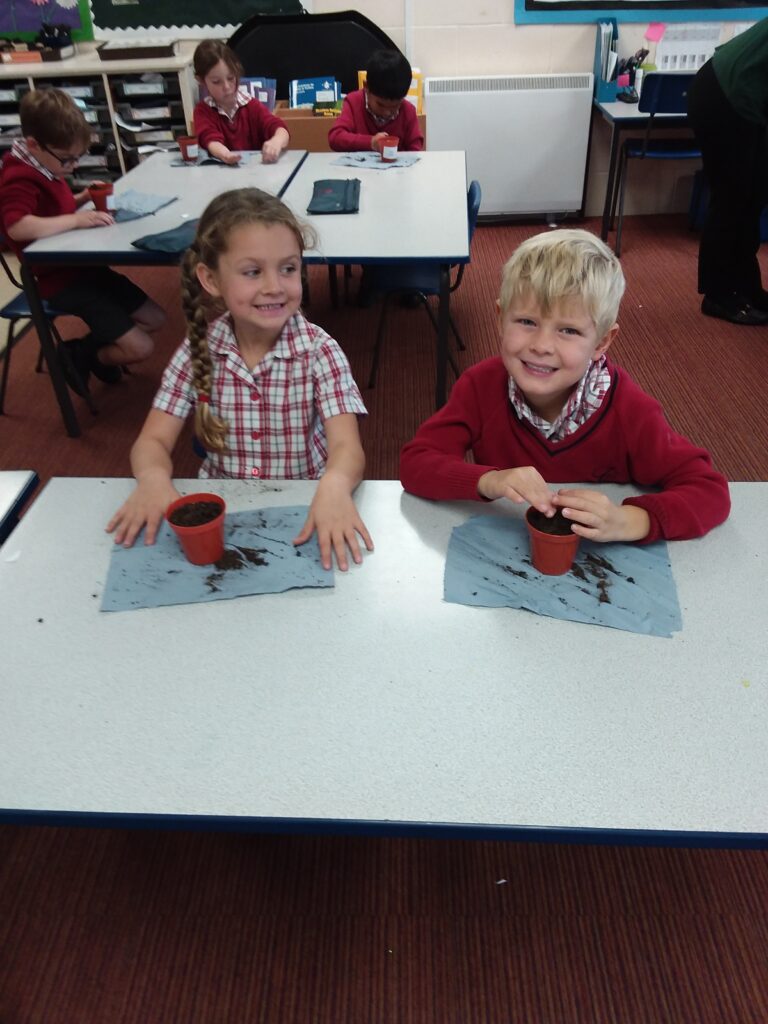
[242, 99]
[584, 400]
[275, 412]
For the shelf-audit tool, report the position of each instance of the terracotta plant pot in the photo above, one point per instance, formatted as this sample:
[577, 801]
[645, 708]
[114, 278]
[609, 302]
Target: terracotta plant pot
[388, 148]
[102, 197]
[552, 553]
[202, 543]
[189, 148]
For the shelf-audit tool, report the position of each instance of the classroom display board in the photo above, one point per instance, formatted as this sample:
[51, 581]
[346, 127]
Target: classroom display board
[24, 18]
[533, 11]
[150, 15]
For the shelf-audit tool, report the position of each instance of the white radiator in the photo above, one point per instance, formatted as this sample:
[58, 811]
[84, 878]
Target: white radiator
[525, 136]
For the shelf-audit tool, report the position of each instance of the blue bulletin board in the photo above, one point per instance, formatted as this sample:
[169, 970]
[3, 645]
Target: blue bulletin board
[529, 12]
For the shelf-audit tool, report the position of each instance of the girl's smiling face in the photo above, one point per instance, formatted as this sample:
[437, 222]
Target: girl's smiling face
[258, 278]
[547, 354]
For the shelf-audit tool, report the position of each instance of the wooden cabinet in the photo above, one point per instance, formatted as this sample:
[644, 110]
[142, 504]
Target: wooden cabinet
[133, 106]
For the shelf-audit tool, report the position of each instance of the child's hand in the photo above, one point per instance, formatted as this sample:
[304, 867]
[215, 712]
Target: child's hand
[145, 507]
[270, 151]
[377, 139]
[232, 158]
[334, 516]
[522, 484]
[93, 219]
[596, 517]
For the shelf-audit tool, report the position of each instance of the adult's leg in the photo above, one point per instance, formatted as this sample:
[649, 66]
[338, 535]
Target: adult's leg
[735, 162]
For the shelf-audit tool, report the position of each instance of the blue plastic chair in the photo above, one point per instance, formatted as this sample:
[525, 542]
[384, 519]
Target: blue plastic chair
[421, 279]
[663, 92]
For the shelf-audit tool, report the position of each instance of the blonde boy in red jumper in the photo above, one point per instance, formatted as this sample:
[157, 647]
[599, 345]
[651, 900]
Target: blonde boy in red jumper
[36, 202]
[553, 407]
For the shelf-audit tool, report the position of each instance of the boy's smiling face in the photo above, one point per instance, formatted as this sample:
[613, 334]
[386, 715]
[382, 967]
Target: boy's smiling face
[547, 354]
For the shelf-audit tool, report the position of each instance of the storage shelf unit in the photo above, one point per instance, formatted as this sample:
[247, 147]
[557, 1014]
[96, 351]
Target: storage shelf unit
[158, 93]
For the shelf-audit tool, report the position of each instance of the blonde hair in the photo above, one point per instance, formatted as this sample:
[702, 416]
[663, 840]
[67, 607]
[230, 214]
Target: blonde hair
[223, 214]
[557, 265]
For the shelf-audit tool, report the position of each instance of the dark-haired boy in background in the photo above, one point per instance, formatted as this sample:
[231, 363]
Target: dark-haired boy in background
[379, 109]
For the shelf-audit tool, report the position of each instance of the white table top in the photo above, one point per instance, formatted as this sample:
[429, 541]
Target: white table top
[194, 186]
[416, 212]
[618, 111]
[376, 702]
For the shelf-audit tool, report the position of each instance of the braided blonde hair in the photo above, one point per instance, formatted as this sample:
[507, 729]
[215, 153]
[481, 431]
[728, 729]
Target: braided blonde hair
[223, 214]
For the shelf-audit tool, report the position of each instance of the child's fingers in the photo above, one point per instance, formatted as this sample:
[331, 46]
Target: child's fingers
[360, 527]
[305, 532]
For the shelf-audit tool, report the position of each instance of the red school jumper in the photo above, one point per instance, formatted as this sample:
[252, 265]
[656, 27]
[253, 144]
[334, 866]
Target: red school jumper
[354, 128]
[627, 440]
[24, 190]
[250, 128]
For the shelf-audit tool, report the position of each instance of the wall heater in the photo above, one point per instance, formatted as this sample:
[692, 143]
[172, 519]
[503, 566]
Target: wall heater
[525, 136]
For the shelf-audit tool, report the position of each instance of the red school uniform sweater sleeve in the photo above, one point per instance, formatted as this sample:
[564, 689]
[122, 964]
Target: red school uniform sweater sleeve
[353, 129]
[253, 124]
[25, 191]
[627, 440]
[693, 497]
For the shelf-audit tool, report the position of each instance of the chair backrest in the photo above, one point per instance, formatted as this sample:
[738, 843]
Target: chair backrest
[665, 92]
[474, 197]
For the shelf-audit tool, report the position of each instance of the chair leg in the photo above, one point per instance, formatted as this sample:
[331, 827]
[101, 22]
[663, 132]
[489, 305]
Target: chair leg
[379, 340]
[40, 359]
[617, 186]
[459, 340]
[622, 193]
[7, 364]
[433, 318]
[333, 284]
[347, 279]
[306, 298]
[87, 396]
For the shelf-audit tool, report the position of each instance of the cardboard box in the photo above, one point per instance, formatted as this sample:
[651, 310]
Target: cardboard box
[310, 132]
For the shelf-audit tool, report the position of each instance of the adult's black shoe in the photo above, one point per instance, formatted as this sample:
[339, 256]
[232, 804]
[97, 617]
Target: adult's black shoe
[738, 311]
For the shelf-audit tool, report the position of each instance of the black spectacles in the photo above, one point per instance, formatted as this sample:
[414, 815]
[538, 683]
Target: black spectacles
[65, 161]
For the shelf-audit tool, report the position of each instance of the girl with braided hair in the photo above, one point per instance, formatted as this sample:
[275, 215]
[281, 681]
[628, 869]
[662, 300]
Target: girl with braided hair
[273, 395]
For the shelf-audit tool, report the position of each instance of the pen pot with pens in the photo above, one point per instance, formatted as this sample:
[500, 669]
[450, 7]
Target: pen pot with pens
[629, 77]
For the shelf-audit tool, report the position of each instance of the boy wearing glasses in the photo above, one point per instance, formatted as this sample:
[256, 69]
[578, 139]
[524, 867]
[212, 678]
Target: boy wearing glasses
[36, 202]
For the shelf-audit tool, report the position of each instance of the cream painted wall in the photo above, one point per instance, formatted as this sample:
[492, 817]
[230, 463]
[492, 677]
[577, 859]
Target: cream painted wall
[474, 37]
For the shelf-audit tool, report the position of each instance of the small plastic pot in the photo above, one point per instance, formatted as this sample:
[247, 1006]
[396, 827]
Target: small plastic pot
[102, 197]
[201, 544]
[389, 148]
[189, 148]
[551, 553]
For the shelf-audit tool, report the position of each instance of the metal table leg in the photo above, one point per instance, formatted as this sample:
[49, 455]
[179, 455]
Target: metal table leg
[48, 346]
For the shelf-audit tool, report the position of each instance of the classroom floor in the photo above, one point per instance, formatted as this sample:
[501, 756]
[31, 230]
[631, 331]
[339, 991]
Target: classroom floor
[137, 927]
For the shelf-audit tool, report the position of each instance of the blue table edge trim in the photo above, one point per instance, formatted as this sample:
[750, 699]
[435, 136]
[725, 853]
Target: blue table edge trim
[390, 828]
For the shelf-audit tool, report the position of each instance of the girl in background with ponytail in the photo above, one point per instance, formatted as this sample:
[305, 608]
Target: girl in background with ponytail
[273, 395]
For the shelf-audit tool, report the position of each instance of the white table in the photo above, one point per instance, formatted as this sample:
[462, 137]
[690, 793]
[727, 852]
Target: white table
[16, 487]
[406, 214]
[194, 186]
[376, 706]
[622, 117]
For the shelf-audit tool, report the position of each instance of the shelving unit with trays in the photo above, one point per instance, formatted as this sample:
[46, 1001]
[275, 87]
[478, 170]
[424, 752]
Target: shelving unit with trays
[11, 91]
[153, 104]
[158, 92]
